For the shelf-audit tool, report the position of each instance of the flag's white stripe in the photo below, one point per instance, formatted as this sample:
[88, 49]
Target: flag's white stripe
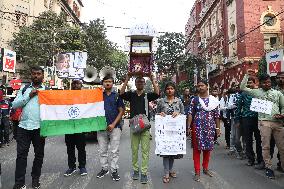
[66, 112]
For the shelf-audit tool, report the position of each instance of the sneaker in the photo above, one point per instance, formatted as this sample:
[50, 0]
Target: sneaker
[83, 171]
[17, 186]
[115, 176]
[260, 166]
[239, 156]
[135, 175]
[35, 184]
[102, 173]
[144, 179]
[269, 173]
[196, 177]
[69, 172]
[216, 143]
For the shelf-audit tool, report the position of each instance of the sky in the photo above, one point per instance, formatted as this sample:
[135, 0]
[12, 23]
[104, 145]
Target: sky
[164, 15]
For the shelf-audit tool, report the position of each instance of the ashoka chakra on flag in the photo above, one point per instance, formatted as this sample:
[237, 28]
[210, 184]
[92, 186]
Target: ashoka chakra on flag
[71, 111]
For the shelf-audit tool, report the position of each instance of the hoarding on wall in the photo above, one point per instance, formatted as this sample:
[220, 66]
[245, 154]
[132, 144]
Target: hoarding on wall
[71, 65]
[8, 60]
[275, 62]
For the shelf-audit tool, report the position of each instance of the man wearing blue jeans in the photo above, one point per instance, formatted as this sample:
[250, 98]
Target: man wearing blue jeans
[29, 130]
[109, 140]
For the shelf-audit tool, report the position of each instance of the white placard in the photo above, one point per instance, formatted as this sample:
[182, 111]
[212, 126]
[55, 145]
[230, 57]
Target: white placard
[170, 135]
[261, 106]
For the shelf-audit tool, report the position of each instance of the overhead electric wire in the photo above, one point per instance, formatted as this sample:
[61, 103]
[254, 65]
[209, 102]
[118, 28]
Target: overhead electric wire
[255, 28]
[40, 17]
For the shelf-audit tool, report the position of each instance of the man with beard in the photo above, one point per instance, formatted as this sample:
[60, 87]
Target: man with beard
[268, 124]
[29, 130]
[109, 140]
[250, 126]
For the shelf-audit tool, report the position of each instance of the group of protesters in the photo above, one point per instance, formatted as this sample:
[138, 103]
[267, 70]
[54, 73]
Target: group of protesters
[204, 112]
[28, 130]
[244, 127]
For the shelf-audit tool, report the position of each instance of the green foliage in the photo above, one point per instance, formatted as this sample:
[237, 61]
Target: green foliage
[50, 34]
[192, 63]
[98, 46]
[148, 86]
[262, 67]
[183, 85]
[119, 61]
[170, 52]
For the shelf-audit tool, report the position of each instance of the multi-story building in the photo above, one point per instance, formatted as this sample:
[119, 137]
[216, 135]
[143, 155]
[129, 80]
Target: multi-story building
[16, 13]
[233, 35]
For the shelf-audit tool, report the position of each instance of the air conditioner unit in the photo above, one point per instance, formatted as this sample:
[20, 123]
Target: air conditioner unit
[205, 42]
[225, 60]
[200, 44]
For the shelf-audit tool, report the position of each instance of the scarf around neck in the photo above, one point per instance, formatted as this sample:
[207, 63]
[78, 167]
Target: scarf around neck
[212, 104]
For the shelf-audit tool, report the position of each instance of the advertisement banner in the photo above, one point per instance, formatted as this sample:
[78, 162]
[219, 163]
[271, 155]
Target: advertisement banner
[275, 62]
[9, 60]
[71, 65]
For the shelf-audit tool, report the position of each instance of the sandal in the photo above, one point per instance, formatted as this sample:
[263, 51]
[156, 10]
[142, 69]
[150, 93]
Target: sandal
[166, 179]
[208, 173]
[173, 175]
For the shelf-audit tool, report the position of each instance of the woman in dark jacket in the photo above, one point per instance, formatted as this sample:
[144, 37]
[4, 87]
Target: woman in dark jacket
[170, 105]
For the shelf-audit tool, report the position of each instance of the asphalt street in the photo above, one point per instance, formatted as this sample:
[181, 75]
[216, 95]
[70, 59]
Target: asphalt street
[229, 173]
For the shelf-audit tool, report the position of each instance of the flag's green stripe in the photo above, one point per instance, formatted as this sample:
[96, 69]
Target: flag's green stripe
[61, 127]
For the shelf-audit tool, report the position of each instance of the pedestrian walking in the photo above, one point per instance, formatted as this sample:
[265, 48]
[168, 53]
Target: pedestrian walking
[215, 93]
[5, 106]
[139, 106]
[170, 105]
[225, 117]
[235, 142]
[249, 121]
[109, 139]
[204, 120]
[268, 124]
[76, 140]
[29, 130]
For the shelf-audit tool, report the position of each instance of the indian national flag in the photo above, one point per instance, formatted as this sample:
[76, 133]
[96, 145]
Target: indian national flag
[71, 111]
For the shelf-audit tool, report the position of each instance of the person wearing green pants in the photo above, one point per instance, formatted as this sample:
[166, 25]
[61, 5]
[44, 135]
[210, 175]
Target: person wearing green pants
[137, 106]
[144, 139]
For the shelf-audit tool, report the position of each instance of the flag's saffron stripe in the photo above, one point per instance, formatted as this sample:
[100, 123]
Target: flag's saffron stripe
[61, 127]
[69, 97]
[76, 111]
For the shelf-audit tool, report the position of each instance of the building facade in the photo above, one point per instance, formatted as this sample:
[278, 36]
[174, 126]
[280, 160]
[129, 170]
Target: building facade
[17, 13]
[233, 35]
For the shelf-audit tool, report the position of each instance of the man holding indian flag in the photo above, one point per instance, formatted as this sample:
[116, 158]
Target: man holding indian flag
[51, 113]
[29, 130]
[76, 140]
